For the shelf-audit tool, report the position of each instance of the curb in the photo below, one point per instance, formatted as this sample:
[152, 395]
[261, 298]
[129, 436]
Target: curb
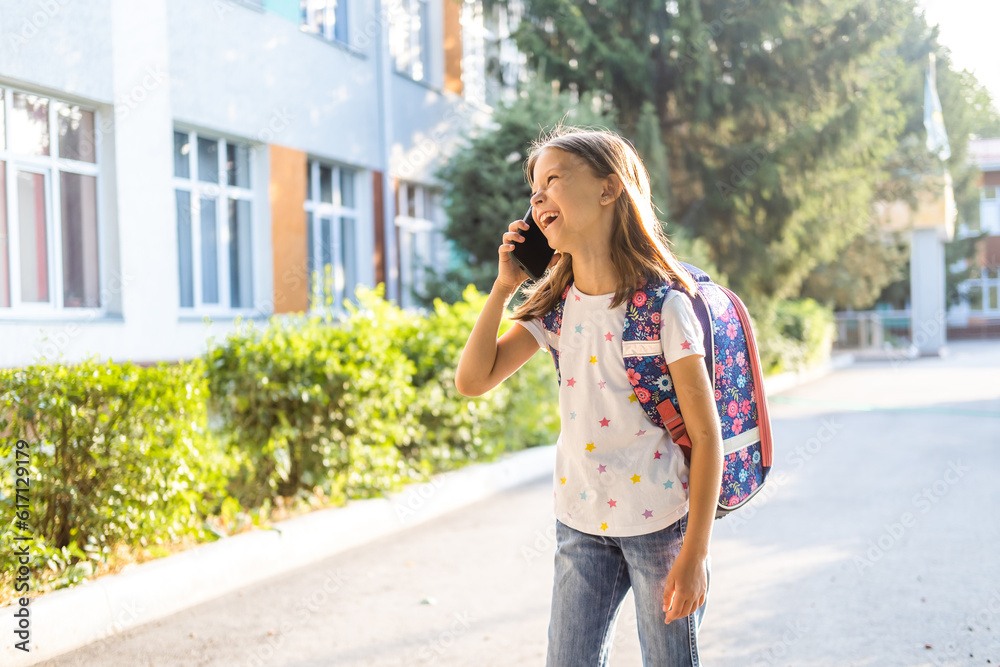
[68, 619]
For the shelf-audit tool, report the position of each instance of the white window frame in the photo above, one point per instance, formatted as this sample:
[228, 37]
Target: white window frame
[482, 35]
[222, 192]
[412, 278]
[333, 212]
[50, 166]
[329, 29]
[989, 210]
[986, 284]
[405, 41]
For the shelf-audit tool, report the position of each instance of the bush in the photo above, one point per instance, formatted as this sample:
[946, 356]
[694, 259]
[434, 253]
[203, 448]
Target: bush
[308, 403]
[360, 405]
[522, 412]
[306, 408]
[117, 454]
[794, 335]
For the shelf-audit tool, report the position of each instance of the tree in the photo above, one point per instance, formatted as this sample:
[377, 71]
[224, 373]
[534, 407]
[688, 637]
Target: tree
[865, 270]
[775, 115]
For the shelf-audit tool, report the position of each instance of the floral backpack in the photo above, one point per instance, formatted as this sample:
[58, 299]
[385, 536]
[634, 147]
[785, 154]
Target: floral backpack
[733, 365]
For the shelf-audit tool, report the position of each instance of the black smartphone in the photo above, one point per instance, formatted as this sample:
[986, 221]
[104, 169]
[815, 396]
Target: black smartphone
[534, 253]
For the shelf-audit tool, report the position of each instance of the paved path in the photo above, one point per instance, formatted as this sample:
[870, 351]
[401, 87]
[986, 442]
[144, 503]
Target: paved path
[878, 543]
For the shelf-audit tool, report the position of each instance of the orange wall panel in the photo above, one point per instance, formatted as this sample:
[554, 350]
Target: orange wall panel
[453, 46]
[288, 230]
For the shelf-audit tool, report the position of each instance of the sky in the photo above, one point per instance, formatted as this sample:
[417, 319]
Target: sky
[971, 30]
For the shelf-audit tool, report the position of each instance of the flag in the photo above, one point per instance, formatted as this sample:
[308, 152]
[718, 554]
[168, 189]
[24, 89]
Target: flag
[937, 138]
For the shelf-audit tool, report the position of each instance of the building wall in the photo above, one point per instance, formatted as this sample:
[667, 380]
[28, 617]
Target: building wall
[227, 70]
[270, 82]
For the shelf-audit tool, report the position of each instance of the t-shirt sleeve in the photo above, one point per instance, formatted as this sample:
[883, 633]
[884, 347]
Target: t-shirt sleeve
[680, 329]
[535, 327]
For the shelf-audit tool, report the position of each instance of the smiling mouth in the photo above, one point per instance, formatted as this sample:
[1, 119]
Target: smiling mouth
[548, 220]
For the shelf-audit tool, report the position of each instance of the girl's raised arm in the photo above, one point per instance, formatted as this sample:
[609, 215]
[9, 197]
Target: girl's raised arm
[486, 361]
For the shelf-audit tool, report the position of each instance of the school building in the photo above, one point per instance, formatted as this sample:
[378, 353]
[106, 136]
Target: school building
[980, 309]
[169, 165]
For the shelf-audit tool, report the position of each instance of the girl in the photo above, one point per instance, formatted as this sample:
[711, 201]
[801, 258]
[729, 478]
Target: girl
[630, 511]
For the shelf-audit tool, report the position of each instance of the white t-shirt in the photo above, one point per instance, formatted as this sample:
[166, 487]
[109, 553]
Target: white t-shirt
[617, 473]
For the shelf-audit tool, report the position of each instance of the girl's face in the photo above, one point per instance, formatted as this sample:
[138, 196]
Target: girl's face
[565, 186]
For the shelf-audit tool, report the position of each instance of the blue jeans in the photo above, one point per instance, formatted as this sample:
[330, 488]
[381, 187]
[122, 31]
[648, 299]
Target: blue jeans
[592, 575]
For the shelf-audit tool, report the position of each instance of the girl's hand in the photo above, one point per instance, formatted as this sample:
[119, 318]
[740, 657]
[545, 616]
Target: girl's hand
[687, 584]
[510, 273]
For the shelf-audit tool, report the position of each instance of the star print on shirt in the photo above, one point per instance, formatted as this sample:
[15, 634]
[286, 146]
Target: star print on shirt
[577, 297]
[657, 454]
[632, 398]
[647, 514]
[593, 360]
[562, 480]
[604, 526]
[609, 336]
[635, 478]
[613, 503]
[590, 447]
[604, 422]
[570, 382]
[640, 432]
[602, 468]
[583, 496]
[601, 384]
[579, 328]
[668, 485]
[686, 345]
[572, 415]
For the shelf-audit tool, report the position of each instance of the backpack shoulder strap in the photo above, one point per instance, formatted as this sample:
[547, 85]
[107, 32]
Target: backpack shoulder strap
[642, 351]
[552, 323]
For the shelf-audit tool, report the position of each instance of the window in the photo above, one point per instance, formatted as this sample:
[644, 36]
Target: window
[984, 292]
[975, 297]
[409, 37]
[491, 63]
[332, 231]
[327, 18]
[989, 210]
[422, 245]
[49, 236]
[212, 181]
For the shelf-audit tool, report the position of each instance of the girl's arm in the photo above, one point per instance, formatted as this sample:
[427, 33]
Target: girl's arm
[687, 582]
[487, 361]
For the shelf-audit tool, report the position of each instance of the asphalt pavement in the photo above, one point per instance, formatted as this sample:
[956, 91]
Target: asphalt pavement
[874, 542]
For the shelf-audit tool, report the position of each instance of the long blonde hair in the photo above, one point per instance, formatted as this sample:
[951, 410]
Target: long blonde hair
[639, 246]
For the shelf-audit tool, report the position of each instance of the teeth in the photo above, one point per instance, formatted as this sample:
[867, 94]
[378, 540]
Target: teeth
[547, 217]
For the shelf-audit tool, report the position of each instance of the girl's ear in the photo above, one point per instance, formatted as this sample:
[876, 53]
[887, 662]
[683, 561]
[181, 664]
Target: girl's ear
[612, 186]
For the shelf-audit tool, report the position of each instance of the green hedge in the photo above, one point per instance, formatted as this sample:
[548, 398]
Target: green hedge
[118, 454]
[359, 406]
[126, 458]
[794, 335]
[454, 429]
